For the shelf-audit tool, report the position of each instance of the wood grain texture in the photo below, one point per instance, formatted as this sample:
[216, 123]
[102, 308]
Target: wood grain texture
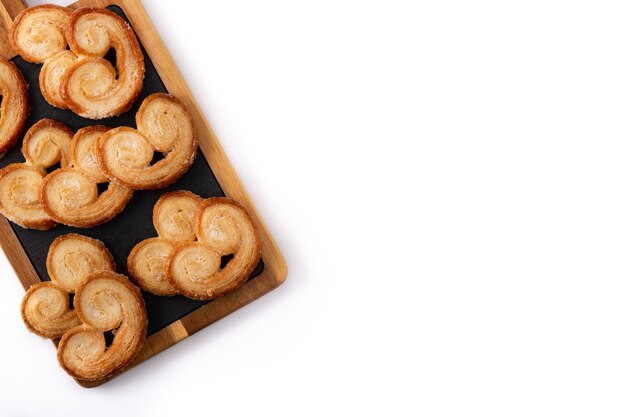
[275, 268]
[13, 7]
[6, 52]
[17, 257]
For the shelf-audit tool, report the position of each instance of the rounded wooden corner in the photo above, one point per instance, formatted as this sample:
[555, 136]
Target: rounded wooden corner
[281, 272]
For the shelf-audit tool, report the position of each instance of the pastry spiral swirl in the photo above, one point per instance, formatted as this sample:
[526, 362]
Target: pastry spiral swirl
[38, 32]
[104, 301]
[45, 144]
[91, 87]
[38, 35]
[19, 196]
[46, 311]
[71, 258]
[163, 125]
[34, 199]
[80, 78]
[223, 228]
[70, 195]
[173, 217]
[51, 77]
[14, 109]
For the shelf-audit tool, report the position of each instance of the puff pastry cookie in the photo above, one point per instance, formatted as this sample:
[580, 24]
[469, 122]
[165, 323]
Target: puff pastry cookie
[173, 218]
[14, 108]
[163, 125]
[38, 35]
[32, 198]
[223, 228]
[91, 87]
[195, 237]
[71, 258]
[46, 144]
[104, 301]
[80, 78]
[70, 195]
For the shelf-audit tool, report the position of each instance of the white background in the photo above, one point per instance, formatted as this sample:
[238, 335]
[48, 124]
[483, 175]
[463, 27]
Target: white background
[446, 180]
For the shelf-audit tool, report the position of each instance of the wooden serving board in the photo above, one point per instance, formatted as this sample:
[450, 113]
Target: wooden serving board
[172, 319]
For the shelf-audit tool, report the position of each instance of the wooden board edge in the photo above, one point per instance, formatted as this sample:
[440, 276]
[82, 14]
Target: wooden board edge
[12, 248]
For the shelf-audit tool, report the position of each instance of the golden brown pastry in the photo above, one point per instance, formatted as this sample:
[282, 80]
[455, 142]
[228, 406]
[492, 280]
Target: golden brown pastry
[71, 258]
[70, 195]
[51, 77]
[163, 125]
[104, 301]
[46, 143]
[173, 217]
[80, 78]
[34, 199]
[91, 87]
[38, 32]
[14, 109]
[46, 311]
[38, 36]
[223, 228]
[19, 196]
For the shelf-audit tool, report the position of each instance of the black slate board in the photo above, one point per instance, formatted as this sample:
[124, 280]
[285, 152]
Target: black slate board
[134, 224]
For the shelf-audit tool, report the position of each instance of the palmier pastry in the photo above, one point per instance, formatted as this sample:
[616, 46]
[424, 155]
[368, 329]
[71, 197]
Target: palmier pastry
[38, 32]
[80, 78]
[91, 87]
[173, 217]
[51, 77]
[46, 144]
[71, 258]
[14, 109]
[38, 35]
[46, 311]
[70, 195]
[163, 125]
[224, 229]
[104, 301]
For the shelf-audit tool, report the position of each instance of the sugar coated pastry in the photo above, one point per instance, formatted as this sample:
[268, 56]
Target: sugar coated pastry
[46, 308]
[51, 77]
[70, 195]
[195, 235]
[14, 108]
[104, 301]
[223, 228]
[163, 125]
[80, 78]
[38, 36]
[46, 311]
[173, 217]
[46, 144]
[91, 87]
[38, 33]
[72, 257]
[36, 199]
